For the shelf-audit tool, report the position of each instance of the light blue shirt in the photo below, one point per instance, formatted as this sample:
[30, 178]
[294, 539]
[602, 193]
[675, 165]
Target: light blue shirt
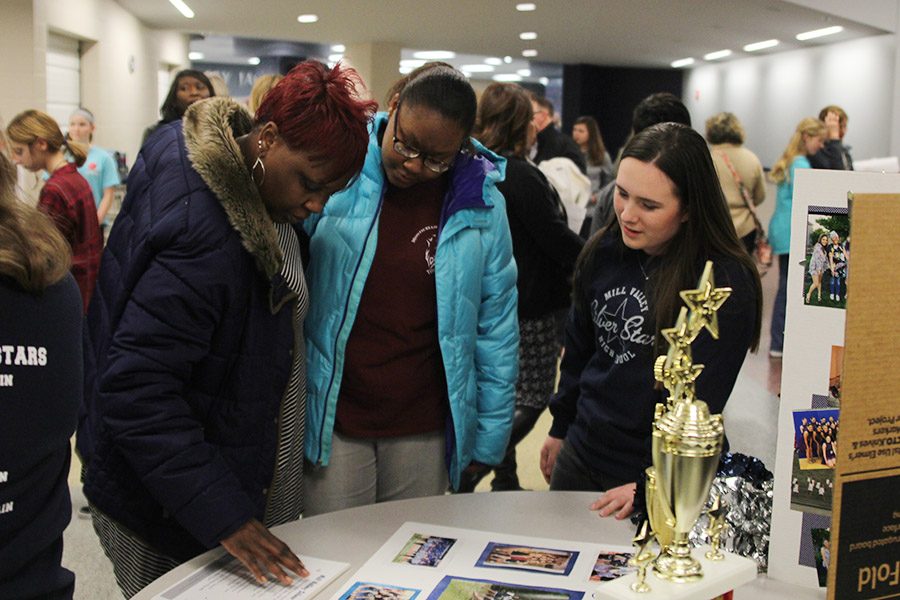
[100, 171]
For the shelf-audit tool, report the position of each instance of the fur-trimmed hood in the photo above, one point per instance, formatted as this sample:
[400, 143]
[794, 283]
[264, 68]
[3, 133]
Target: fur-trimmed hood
[211, 129]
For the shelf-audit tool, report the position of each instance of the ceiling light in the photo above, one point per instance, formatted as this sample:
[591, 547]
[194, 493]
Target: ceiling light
[760, 45]
[435, 54]
[528, 35]
[717, 55]
[526, 6]
[182, 8]
[195, 55]
[524, 72]
[253, 60]
[494, 61]
[507, 59]
[545, 81]
[405, 70]
[412, 63]
[333, 58]
[307, 18]
[339, 48]
[507, 77]
[682, 62]
[529, 53]
[466, 73]
[477, 68]
[817, 33]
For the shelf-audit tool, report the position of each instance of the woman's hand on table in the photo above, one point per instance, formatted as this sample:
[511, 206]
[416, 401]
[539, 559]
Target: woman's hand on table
[263, 553]
[618, 501]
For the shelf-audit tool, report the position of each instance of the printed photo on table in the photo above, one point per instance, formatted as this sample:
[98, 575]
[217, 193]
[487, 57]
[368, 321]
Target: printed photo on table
[815, 453]
[821, 540]
[424, 550]
[527, 558]
[462, 588]
[611, 565]
[827, 257]
[363, 590]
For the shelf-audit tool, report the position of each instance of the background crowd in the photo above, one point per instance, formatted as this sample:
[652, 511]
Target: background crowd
[310, 305]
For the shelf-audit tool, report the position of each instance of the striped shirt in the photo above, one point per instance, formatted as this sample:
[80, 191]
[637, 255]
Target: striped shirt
[285, 501]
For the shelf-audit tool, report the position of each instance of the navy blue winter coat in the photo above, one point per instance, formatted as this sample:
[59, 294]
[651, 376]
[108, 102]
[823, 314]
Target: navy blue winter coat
[188, 342]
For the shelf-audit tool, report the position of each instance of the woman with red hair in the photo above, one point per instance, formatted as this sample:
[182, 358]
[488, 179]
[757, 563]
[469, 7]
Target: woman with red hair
[193, 419]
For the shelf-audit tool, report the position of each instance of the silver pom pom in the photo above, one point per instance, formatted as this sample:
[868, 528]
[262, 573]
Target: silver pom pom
[749, 516]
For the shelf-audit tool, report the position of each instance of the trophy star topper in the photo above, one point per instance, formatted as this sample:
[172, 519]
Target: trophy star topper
[704, 301]
[676, 370]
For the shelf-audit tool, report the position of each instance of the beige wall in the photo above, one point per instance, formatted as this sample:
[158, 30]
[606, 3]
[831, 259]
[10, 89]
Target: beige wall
[120, 60]
[22, 46]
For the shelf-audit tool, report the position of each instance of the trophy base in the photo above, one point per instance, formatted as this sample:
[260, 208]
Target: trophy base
[719, 577]
[678, 569]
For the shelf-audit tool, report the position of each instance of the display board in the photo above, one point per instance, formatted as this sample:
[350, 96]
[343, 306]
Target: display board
[865, 532]
[807, 461]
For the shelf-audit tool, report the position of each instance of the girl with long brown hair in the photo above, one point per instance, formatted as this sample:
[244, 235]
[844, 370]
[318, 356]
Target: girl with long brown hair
[671, 218]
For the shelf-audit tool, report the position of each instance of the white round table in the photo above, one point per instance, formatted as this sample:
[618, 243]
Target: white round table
[355, 534]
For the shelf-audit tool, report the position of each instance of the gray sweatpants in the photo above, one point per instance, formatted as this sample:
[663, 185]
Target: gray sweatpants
[366, 471]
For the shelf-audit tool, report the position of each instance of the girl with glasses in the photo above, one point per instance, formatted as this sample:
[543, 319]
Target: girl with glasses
[412, 333]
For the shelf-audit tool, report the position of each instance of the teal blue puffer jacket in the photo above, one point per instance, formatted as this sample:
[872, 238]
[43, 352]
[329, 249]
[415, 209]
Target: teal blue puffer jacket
[475, 276]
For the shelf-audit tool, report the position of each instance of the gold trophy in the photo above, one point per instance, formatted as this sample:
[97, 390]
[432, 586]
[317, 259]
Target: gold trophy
[686, 439]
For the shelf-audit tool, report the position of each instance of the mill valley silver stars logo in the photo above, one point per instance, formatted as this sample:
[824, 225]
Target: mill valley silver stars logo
[620, 321]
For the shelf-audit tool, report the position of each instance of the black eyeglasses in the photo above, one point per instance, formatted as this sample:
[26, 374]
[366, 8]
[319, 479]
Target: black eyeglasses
[408, 152]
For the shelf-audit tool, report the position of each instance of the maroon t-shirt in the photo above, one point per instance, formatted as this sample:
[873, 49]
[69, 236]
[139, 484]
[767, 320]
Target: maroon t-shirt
[394, 382]
[67, 198]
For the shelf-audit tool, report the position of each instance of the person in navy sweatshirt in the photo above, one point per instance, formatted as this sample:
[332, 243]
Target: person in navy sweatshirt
[40, 390]
[671, 217]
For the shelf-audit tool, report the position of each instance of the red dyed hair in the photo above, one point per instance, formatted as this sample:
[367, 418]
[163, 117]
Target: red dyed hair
[320, 110]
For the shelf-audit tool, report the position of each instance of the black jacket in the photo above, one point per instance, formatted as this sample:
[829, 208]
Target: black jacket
[552, 143]
[543, 245]
[190, 335]
[40, 390]
[833, 155]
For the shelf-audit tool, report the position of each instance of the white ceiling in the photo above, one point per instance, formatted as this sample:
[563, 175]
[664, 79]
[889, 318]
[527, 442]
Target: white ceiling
[647, 33]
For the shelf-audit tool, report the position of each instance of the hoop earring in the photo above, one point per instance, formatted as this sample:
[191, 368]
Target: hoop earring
[258, 163]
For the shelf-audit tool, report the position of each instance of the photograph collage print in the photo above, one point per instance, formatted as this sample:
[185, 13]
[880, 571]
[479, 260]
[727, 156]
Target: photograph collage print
[428, 551]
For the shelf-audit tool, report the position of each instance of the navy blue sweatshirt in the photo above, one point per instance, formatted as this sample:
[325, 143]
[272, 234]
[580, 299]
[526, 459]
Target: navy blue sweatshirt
[606, 398]
[40, 390]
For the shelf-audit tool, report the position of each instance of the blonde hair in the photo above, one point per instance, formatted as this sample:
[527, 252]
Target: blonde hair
[809, 127]
[33, 252]
[32, 125]
[219, 87]
[261, 87]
